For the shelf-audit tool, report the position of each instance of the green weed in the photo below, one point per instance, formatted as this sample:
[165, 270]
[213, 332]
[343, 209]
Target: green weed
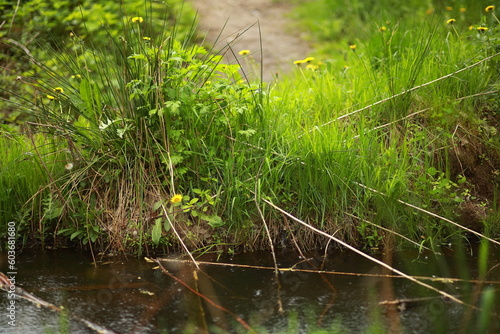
[385, 116]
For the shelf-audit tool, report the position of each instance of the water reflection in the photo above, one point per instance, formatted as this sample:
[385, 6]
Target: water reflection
[129, 296]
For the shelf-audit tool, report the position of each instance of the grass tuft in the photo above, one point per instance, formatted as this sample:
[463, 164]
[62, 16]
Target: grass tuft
[147, 142]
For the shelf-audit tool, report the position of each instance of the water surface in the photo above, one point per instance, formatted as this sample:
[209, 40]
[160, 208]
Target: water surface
[129, 296]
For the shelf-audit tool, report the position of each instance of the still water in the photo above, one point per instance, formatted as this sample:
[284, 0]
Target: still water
[130, 296]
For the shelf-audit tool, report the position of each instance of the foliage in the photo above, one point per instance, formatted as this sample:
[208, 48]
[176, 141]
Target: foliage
[29, 26]
[150, 118]
[163, 143]
[26, 167]
[385, 106]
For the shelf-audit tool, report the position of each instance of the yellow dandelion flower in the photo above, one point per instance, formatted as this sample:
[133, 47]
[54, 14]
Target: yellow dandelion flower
[176, 198]
[489, 8]
[482, 29]
[76, 76]
[353, 47]
[50, 97]
[462, 10]
[382, 28]
[299, 62]
[449, 8]
[58, 90]
[147, 39]
[471, 27]
[244, 52]
[451, 21]
[137, 19]
[312, 67]
[308, 59]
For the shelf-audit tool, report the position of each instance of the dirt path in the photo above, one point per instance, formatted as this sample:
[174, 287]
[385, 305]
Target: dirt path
[237, 22]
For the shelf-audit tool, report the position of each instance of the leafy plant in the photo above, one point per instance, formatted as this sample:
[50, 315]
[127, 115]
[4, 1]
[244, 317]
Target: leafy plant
[380, 123]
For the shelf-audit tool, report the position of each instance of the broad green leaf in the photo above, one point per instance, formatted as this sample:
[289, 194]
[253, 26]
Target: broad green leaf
[157, 205]
[173, 106]
[93, 237]
[64, 231]
[193, 201]
[138, 56]
[75, 234]
[86, 96]
[166, 225]
[156, 232]
[54, 212]
[213, 220]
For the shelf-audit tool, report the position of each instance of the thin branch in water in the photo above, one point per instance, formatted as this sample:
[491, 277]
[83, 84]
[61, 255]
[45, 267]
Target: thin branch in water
[7, 286]
[357, 251]
[276, 272]
[208, 300]
[179, 237]
[342, 273]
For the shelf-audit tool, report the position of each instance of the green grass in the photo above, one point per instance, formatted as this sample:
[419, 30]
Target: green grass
[396, 145]
[28, 166]
[380, 120]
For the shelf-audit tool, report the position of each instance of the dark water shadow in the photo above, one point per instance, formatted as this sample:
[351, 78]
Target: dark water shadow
[348, 295]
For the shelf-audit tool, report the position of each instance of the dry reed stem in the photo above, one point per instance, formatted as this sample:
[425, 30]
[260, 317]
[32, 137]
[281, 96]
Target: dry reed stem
[419, 112]
[326, 272]
[430, 287]
[276, 272]
[294, 239]
[208, 300]
[431, 214]
[268, 233]
[179, 237]
[387, 230]
[401, 94]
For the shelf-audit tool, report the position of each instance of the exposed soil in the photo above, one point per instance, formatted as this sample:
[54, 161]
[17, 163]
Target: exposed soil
[472, 158]
[261, 26]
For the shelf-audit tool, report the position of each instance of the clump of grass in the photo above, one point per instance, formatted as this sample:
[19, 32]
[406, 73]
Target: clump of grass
[147, 121]
[388, 115]
[169, 147]
[27, 165]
